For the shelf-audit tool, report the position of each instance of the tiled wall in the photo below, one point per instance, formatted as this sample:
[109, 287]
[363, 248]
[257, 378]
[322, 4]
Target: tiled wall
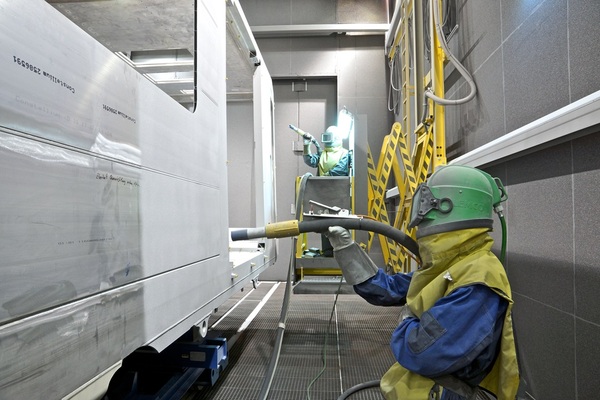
[529, 59]
[553, 263]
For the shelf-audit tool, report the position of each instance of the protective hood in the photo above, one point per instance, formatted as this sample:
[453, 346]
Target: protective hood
[442, 249]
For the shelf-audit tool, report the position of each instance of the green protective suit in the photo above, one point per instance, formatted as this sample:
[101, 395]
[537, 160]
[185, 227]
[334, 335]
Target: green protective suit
[466, 255]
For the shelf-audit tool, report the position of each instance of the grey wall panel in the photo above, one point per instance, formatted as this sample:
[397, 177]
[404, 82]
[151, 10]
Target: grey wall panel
[546, 354]
[277, 53]
[553, 266]
[514, 14]
[300, 12]
[586, 168]
[313, 12]
[544, 61]
[479, 33]
[279, 12]
[540, 206]
[378, 124]
[584, 46]
[314, 56]
[536, 66]
[362, 12]
[587, 356]
[370, 70]
[480, 120]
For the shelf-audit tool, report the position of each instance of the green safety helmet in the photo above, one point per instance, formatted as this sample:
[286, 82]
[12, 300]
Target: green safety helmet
[455, 197]
[331, 137]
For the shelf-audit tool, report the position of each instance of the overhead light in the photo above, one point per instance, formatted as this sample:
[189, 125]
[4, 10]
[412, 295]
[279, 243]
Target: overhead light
[345, 123]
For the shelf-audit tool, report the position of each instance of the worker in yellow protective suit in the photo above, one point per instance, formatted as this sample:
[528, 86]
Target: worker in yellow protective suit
[455, 332]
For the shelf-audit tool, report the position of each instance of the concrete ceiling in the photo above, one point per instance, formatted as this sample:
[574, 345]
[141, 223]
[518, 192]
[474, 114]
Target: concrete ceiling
[156, 36]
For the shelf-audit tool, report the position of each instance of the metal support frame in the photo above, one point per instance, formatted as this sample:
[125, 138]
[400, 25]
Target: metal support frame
[169, 374]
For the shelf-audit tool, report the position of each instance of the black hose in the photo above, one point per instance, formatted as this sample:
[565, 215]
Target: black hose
[294, 228]
[321, 226]
[358, 387]
[504, 235]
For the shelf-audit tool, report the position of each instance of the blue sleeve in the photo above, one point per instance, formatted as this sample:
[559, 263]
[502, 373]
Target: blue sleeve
[385, 290]
[451, 334]
[312, 160]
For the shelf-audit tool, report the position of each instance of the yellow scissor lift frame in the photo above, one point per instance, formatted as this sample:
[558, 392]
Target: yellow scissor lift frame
[408, 167]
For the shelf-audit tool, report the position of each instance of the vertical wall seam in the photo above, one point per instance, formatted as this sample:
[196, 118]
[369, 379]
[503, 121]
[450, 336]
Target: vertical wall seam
[574, 264]
[502, 41]
[569, 56]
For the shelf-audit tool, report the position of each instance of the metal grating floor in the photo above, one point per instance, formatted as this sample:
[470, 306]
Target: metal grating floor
[357, 348]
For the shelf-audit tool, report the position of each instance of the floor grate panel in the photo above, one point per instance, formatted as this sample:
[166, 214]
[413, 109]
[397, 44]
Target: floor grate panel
[357, 348]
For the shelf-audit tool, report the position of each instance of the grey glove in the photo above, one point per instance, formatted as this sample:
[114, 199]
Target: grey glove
[307, 136]
[339, 237]
[355, 264]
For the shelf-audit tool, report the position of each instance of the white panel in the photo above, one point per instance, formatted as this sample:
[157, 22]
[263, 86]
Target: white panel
[113, 207]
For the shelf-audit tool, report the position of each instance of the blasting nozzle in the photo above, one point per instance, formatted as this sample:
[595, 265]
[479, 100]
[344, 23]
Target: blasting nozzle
[271, 231]
[302, 133]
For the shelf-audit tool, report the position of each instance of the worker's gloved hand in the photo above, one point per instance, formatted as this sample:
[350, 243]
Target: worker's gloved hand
[308, 137]
[355, 264]
[339, 237]
[305, 135]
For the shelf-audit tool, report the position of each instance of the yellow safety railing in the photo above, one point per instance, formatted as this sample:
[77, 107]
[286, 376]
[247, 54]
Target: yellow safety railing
[408, 166]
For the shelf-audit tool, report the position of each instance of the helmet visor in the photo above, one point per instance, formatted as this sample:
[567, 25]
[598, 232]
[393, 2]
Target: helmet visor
[423, 202]
[327, 138]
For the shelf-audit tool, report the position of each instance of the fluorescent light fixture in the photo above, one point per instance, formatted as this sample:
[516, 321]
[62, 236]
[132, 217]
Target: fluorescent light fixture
[345, 123]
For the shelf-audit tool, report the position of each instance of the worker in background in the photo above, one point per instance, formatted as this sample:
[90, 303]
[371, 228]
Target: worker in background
[455, 330]
[334, 160]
